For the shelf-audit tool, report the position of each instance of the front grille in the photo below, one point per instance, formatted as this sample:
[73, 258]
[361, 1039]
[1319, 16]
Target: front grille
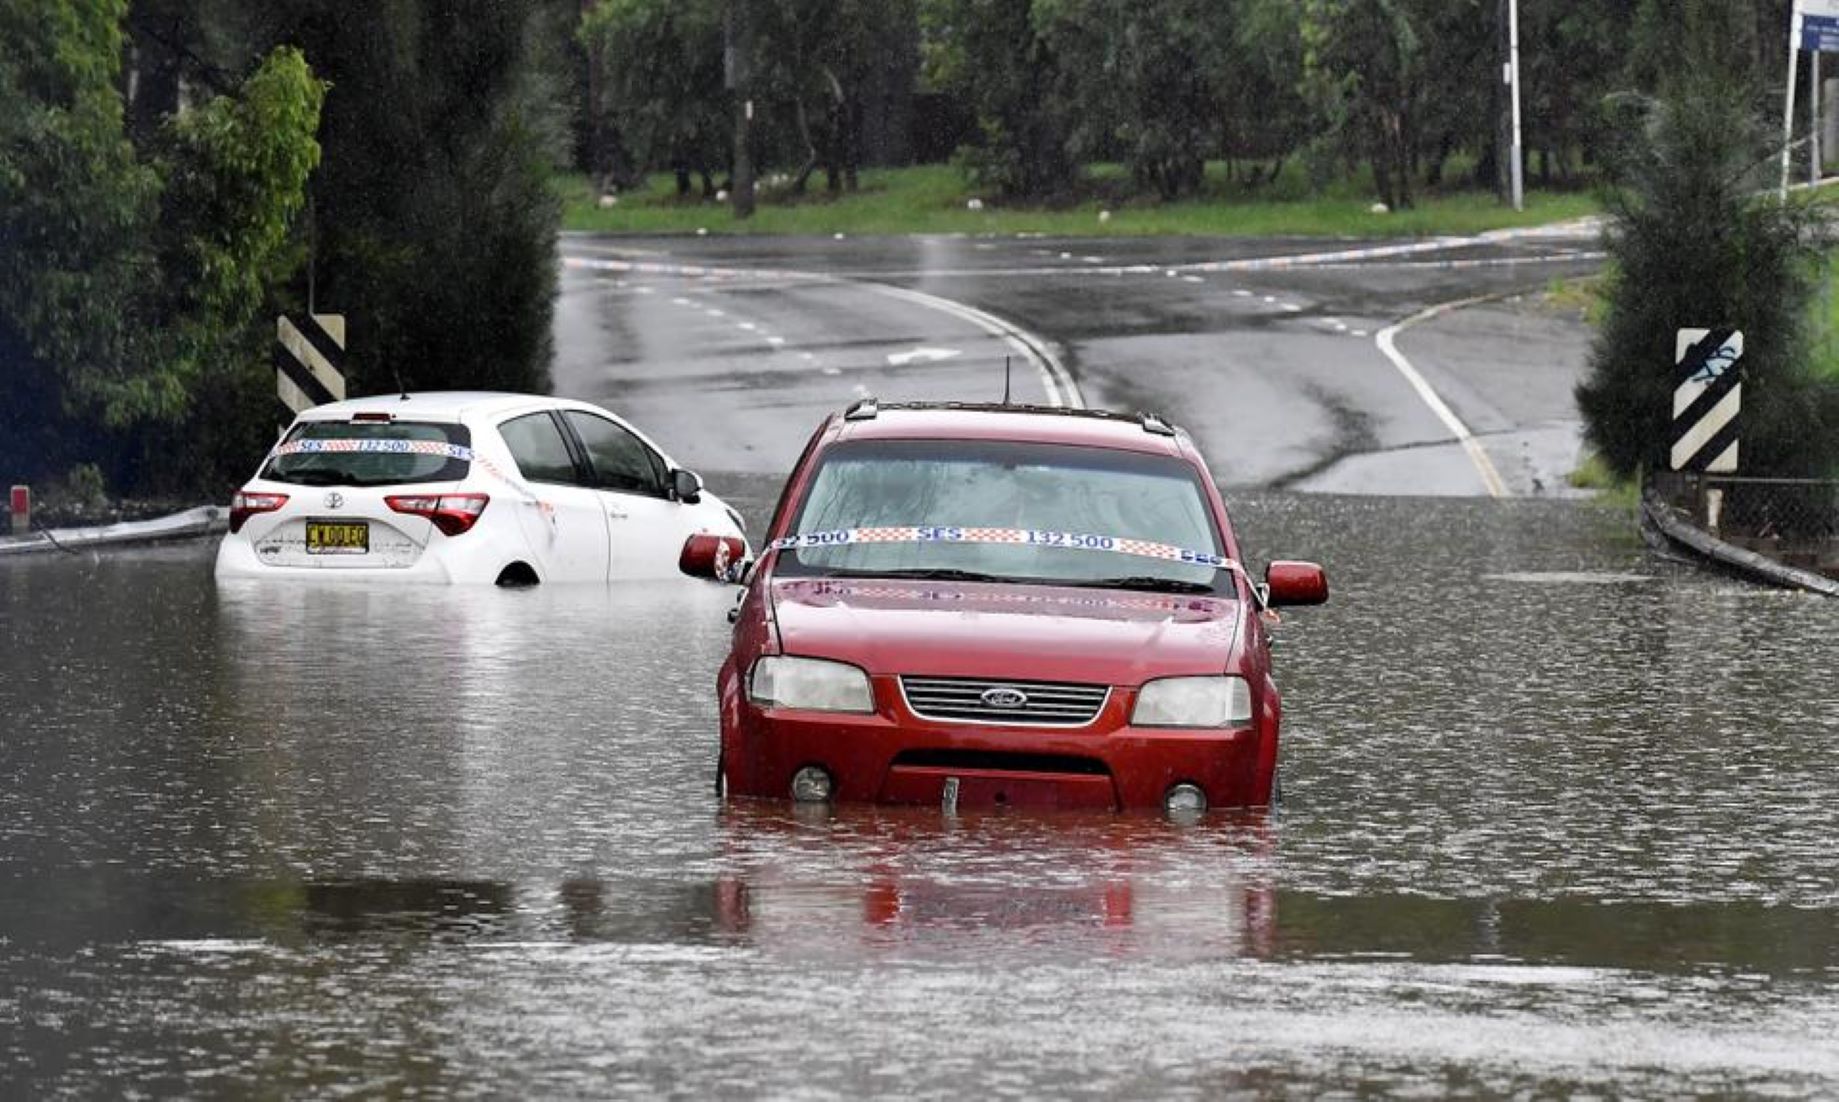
[979, 700]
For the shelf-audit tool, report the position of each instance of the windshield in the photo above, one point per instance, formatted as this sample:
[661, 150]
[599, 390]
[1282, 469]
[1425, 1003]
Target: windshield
[363, 453]
[1040, 513]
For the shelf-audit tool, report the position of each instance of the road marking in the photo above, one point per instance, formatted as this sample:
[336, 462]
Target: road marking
[922, 355]
[1062, 389]
[1387, 341]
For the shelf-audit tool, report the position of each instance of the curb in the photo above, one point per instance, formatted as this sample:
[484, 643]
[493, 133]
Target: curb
[205, 520]
[1757, 567]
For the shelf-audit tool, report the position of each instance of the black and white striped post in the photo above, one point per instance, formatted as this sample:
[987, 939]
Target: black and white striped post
[309, 360]
[1707, 398]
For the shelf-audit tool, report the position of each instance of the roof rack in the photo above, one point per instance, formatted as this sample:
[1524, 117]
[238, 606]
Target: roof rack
[869, 408]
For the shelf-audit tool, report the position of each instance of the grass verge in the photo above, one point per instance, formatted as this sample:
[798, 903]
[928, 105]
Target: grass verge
[1594, 474]
[935, 199]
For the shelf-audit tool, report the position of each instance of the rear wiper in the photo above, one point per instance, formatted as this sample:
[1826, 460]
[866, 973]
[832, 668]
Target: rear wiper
[314, 478]
[1148, 581]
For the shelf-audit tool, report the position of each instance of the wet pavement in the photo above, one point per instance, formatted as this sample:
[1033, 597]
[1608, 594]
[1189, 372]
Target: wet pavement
[1558, 817]
[1265, 350]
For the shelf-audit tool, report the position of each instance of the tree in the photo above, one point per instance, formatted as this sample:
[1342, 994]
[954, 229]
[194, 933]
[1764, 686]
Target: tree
[663, 89]
[992, 54]
[1143, 81]
[132, 275]
[434, 218]
[1696, 240]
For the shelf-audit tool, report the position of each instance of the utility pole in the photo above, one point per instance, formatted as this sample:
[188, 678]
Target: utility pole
[740, 80]
[1517, 156]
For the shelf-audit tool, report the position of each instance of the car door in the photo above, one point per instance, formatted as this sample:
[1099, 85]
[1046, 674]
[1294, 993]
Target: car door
[566, 524]
[647, 526]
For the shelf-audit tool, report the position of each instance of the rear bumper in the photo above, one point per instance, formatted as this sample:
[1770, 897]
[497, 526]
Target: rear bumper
[237, 558]
[899, 759]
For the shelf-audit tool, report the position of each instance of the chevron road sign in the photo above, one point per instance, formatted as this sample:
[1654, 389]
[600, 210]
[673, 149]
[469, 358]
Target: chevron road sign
[1706, 400]
[309, 360]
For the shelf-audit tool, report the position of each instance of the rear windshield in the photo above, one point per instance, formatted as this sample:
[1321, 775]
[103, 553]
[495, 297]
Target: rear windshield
[371, 453]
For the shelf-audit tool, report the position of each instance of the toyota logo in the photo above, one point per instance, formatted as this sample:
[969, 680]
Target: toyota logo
[335, 500]
[1005, 697]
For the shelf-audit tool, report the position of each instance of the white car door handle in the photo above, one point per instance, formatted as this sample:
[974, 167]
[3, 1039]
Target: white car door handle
[617, 514]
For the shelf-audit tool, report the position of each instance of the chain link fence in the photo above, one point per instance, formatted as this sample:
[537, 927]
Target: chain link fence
[1794, 521]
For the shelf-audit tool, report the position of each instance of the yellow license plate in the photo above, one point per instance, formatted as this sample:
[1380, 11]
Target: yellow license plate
[327, 537]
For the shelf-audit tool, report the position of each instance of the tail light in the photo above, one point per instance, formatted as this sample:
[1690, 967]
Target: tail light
[453, 514]
[245, 505]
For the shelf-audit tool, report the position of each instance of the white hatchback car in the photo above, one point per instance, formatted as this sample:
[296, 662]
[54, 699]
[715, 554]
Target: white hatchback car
[467, 487]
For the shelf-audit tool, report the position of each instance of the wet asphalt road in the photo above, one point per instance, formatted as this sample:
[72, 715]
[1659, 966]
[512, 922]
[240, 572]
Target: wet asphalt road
[1270, 361]
[1559, 813]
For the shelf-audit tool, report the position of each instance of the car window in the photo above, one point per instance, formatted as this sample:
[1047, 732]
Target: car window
[621, 461]
[538, 448]
[371, 453]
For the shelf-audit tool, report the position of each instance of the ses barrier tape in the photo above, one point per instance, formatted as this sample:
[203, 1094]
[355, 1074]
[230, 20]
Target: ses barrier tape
[375, 444]
[413, 447]
[1073, 541]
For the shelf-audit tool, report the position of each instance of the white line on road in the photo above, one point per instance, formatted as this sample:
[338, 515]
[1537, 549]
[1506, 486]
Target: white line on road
[1062, 389]
[1490, 478]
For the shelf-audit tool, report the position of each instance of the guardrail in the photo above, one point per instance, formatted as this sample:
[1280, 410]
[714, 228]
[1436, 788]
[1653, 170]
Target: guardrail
[1794, 521]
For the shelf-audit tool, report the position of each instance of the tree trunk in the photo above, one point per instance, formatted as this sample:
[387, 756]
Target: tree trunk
[804, 135]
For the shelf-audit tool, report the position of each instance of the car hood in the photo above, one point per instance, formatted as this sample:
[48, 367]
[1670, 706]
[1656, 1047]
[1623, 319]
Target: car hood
[1025, 632]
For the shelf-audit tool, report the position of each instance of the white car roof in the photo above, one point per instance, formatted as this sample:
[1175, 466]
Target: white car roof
[438, 404]
[464, 406]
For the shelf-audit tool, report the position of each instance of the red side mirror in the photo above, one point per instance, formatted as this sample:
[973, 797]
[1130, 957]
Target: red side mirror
[1296, 583]
[715, 558]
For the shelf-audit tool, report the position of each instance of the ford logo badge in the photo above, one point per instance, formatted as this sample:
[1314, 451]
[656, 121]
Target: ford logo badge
[1002, 696]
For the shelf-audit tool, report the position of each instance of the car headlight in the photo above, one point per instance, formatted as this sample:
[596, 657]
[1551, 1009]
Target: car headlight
[1194, 702]
[811, 683]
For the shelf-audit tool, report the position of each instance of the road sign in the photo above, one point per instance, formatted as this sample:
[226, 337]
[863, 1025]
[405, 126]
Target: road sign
[1707, 397]
[1817, 23]
[309, 360]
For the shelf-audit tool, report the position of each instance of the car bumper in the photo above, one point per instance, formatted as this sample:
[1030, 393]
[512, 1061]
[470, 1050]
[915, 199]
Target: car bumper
[237, 558]
[896, 758]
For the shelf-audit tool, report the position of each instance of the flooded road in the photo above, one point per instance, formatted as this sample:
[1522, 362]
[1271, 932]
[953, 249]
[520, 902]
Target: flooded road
[1559, 816]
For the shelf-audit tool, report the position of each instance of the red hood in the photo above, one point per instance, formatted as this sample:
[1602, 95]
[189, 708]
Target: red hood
[1026, 632]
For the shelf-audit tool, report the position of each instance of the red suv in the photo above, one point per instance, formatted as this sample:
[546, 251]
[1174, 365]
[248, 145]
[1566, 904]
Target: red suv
[1000, 605]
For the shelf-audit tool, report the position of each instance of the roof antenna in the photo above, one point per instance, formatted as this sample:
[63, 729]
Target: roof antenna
[1005, 380]
[403, 390]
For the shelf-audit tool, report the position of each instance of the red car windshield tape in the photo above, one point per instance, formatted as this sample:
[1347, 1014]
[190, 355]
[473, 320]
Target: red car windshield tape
[1031, 537]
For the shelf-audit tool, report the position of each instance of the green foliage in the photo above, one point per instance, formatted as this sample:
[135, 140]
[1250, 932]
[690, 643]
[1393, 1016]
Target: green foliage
[1695, 240]
[1146, 89]
[131, 273]
[663, 88]
[992, 54]
[432, 214]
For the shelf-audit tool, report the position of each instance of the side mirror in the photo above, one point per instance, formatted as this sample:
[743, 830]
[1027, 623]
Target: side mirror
[686, 486]
[714, 558]
[1295, 583]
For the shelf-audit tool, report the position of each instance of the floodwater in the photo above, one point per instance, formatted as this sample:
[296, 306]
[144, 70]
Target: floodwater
[1560, 817]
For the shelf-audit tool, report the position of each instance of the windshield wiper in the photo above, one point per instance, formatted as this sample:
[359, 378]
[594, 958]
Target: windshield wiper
[938, 575]
[1148, 581]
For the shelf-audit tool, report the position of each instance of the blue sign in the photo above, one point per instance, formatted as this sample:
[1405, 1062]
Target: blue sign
[1820, 33]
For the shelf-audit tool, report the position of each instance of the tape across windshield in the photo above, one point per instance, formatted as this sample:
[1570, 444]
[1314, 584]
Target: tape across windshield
[1024, 537]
